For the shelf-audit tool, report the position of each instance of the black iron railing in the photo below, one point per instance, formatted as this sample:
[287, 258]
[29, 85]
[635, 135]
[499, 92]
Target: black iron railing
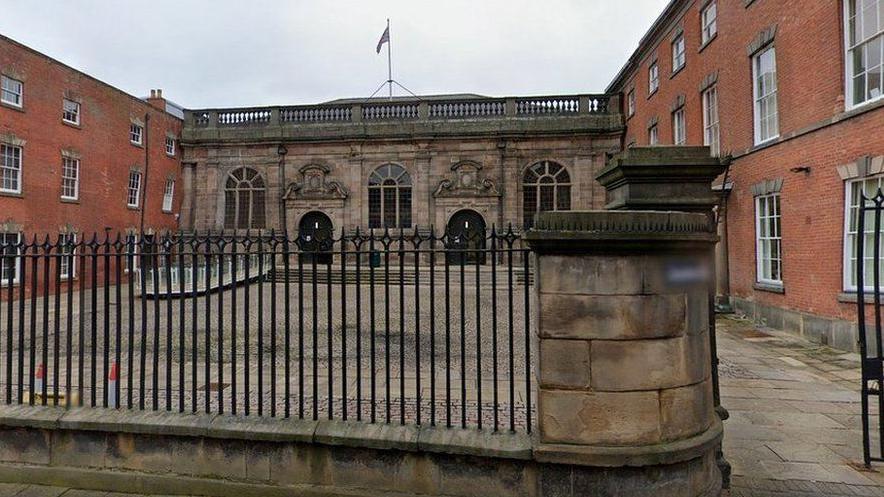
[404, 327]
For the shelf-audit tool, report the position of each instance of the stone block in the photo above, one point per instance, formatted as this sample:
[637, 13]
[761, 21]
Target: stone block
[79, 449]
[25, 445]
[379, 470]
[221, 458]
[686, 411]
[599, 418]
[792, 321]
[146, 453]
[564, 363]
[817, 330]
[697, 311]
[600, 275]
[300, 464]
[845, 336]
[621, 317]
[618, 365]
[481, 477]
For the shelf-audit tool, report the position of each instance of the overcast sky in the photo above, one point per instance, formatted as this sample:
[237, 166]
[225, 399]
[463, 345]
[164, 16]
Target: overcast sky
[217, 53]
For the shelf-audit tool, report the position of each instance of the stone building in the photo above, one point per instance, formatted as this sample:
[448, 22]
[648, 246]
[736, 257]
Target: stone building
[447, 160]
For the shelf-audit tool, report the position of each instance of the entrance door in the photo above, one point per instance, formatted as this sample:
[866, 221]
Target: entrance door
[316, 238]
[466, 237]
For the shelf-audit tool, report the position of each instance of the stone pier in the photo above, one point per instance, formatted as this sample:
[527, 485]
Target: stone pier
[625, 401]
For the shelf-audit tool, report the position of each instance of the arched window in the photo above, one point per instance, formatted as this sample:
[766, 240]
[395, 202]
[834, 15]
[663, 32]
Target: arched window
[244, 199]
[389, 197]
[546, 187]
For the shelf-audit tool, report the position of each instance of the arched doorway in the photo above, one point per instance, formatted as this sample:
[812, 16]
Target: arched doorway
[466, 234]
[316, 238]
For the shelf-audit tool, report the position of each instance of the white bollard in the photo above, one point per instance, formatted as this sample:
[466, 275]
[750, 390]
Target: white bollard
[112, 379]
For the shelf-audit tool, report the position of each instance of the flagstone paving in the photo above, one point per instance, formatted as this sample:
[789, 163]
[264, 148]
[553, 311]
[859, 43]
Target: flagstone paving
[795, 426]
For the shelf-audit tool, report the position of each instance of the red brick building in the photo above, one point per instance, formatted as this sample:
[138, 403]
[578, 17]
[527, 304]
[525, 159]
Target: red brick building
[792, 90]
[78, 156]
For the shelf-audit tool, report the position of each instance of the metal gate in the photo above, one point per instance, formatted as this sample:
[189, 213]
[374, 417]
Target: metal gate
[865, 238]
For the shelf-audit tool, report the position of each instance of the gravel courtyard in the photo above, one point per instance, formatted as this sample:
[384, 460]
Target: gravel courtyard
[388, 350]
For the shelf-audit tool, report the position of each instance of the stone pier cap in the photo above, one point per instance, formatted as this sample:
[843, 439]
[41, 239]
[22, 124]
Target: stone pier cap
[620, 231]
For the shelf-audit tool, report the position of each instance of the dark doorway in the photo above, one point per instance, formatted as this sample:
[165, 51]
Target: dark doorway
[316, 238]
[466, 237]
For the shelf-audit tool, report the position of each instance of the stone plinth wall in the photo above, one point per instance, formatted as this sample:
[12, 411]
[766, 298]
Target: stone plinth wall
[170, 453]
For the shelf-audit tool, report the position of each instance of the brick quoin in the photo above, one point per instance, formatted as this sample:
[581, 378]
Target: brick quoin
[810, 58]
[102, 142]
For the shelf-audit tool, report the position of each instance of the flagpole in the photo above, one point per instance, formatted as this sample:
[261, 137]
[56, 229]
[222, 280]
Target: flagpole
[389, 60]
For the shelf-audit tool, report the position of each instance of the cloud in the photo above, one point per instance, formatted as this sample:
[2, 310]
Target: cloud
[232, 53]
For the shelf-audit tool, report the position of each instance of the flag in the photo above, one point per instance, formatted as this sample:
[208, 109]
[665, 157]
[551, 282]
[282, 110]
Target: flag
[385, 38]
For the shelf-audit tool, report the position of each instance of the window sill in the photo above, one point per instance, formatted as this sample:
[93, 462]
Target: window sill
[136, 144]
[11, 194]
[171, 156]
[70, 200]
[169, 211]
[132, 207]
[850, 297]
[8, 105]
[877, 100]
[707, 42]
[675, 72]
[769, 287]
[71, 124]
[653, 92]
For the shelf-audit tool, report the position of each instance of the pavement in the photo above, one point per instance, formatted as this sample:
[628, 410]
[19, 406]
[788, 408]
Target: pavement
[794, 427]
[795, 423]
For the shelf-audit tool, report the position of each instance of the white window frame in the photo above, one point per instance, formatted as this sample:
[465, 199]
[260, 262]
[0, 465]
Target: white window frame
[19, 92]
[67, 262]
[170, 146]
[65, 161]
[131, 240]
[653, 78]
[849, 60]
[851, 205]
[136, 134]
[765, 240]
[653, 135]
[709, 21]
[711, 129]
[168, 195]
[17, 168]
[4, 280]
[75, 112]
[759, 100]
[133, 189]
[679, 127]
[630, 103]
[679, 55]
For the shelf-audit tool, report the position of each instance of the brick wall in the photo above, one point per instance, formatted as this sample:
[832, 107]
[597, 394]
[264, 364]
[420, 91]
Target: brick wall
[101, 141]
[814, 129]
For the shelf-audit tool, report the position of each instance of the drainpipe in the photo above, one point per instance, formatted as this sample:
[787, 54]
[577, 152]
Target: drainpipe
[146, 169]
[281, 151]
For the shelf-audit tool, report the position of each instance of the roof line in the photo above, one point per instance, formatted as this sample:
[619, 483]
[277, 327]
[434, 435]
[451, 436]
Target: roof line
[634, 59]
[87, 75]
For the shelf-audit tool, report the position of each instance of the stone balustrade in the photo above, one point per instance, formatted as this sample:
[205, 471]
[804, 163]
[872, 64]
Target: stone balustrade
[404, 109]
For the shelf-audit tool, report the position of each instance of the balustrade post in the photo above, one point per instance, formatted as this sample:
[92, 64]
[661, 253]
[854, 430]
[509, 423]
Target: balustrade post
[585, 104]
[356, 113]
[423, 110]
[213, 119]
[624, 379]
[274, 117]
[509, 108]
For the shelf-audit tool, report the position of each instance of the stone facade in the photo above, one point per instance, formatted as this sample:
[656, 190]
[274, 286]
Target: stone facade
[454, 164]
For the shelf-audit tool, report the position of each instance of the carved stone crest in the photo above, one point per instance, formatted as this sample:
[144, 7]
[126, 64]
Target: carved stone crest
[467, 182]
[315, 185]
